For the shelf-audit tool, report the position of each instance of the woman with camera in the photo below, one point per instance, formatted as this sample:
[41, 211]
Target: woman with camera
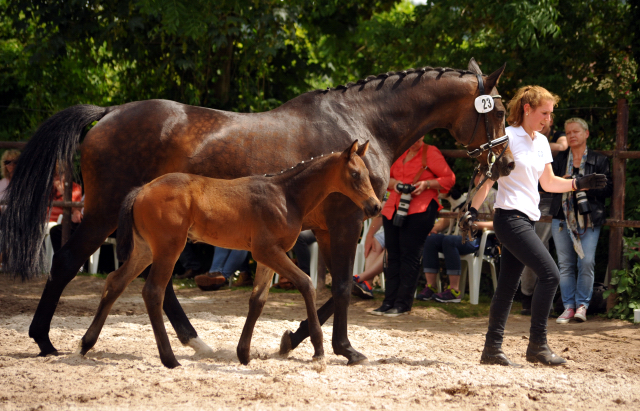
[407, 218]
[516, 210]
[577, 218]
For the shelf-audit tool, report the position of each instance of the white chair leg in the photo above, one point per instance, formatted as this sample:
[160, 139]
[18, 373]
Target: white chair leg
[313, 267]
[93, 262]
[116, 263]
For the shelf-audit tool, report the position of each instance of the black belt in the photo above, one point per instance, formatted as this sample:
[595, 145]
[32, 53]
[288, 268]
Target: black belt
[503, 212]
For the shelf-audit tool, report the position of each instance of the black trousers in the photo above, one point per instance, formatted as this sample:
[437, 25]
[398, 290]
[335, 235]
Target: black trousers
[301, 248]
[521, 247]
[404, 250]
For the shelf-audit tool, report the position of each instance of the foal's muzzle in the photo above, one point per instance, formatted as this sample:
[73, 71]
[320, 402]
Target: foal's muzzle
[371, 207]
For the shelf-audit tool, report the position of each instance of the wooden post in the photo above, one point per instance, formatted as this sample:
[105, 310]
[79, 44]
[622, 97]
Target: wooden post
[66, 212]
[617, 205]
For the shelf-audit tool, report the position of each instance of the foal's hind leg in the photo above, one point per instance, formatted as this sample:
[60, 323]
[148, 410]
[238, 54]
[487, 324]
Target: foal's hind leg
[258, 297]
[153, 295]
[116, 283]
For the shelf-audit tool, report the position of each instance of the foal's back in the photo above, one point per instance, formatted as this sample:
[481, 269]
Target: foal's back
[225, 213]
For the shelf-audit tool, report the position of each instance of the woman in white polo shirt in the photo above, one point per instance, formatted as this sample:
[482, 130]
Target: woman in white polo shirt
[516, 210]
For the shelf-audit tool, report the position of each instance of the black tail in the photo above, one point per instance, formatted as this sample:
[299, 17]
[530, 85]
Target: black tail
[126, 225]
[22, 227]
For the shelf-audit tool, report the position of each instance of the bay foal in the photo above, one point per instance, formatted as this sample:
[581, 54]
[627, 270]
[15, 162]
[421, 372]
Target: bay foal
[262, 214]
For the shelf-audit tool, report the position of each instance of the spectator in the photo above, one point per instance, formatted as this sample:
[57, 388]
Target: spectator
[576, 226]
[557, 143]
[224, 265]
[190, 261]
[373, 260]
[57, 194]
[452, 248]
[425, 169]
[9, 160]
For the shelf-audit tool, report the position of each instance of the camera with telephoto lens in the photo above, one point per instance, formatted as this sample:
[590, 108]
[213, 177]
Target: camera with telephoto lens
[405, 198]
[581, 199]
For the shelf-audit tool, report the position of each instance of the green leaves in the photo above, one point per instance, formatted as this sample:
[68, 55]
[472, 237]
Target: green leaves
[626, 283]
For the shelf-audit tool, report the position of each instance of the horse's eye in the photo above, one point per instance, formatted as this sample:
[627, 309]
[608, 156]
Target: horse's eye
[500, 114]
[355, 175]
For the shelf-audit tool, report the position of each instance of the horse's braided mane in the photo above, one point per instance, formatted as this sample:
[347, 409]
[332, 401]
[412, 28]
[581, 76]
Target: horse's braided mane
[303, 162]
[401, 73]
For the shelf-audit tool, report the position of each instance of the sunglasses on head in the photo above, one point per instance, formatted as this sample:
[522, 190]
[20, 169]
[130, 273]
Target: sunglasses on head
[7, 162]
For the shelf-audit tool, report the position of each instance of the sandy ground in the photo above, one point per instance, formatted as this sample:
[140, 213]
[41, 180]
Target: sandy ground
[426, 360]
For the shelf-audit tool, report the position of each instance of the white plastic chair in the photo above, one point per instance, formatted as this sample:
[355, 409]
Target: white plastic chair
[473, 269]
[95, 258]
[48, 247]
[358, 262]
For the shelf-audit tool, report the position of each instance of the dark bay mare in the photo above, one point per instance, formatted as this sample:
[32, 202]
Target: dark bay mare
[261, 214]
[134, 143]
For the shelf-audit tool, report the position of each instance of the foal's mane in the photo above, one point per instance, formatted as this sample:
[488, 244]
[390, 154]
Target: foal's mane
[402, 74]
[301, 166]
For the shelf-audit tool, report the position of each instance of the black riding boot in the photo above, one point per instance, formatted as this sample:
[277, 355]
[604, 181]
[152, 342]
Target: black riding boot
[492, 353]
[540, 352]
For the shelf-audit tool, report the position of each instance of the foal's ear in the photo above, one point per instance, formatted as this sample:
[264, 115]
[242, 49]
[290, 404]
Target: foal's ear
[362, 150]
[352, 149]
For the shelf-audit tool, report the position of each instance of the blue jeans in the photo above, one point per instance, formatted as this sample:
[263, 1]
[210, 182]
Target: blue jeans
[452, 248]
[575, 292]
[227, 261]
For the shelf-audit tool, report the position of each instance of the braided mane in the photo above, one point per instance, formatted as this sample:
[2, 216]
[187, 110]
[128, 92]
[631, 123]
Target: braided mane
[303, 162]
[402, 73]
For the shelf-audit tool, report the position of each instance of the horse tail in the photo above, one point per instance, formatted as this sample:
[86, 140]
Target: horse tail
[126, 225]
[22, 228]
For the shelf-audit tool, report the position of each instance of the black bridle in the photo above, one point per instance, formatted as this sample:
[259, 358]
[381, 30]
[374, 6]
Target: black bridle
[491, 157]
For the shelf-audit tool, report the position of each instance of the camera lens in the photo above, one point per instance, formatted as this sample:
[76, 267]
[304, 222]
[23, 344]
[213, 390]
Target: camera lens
[583, 203]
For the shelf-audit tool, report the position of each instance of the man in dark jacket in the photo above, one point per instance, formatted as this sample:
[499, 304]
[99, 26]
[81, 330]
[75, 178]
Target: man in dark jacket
[577, 219]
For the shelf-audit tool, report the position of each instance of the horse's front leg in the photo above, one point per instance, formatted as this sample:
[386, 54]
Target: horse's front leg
[259, 296]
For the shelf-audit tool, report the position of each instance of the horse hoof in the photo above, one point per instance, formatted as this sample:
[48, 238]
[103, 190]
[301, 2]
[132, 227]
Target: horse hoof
[357, 359]
[319, 364]
[171, 364]
[201, 349]
[285, 343]
[50, 353]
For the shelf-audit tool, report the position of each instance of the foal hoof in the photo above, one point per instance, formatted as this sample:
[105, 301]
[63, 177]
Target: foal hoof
[285, 343]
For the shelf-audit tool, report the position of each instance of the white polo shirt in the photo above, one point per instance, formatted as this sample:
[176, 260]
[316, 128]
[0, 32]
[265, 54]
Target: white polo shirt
[519, 190]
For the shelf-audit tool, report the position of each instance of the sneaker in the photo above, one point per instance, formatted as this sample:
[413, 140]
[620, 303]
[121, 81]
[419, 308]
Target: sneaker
[581, 313]
[381, 310]
[566, 316]
[426, 294]
[448, 296]
[362, 289]
[396, 312]
[210, 281]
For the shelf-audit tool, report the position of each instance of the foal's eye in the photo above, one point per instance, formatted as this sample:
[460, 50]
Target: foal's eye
[355, 175]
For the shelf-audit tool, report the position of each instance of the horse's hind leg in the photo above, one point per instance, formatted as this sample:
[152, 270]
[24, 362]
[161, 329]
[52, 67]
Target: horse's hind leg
[258, 297]
[115, 284]
[66, 263]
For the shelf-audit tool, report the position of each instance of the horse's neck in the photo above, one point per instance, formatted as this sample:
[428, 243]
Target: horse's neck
[399, 112]
[309, 186]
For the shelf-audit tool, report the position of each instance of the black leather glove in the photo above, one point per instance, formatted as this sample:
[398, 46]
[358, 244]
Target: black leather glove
[591, 181]
[467, 224]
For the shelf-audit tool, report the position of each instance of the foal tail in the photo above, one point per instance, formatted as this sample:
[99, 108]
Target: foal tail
[22, 224]
[126, 225]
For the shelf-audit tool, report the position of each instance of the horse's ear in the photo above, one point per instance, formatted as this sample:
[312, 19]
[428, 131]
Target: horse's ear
[352, 149]
[473, 66]
[493, 78]
[362, 150]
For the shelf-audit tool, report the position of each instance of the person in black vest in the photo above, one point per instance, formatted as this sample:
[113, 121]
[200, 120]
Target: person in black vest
[577, 220]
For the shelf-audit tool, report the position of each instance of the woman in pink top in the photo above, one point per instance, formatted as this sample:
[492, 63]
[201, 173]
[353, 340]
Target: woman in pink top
[423, 171]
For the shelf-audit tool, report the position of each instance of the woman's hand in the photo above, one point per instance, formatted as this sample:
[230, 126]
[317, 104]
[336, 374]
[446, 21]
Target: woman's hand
[76, 216]
[420, 187]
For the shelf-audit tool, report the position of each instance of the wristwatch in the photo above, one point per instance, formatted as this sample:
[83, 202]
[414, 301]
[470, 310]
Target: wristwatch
[428, 185]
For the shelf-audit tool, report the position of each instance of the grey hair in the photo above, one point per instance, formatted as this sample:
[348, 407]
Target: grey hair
[578, 120]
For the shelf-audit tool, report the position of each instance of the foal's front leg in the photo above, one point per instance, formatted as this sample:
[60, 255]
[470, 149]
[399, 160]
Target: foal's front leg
[283, 265]
[259, 295]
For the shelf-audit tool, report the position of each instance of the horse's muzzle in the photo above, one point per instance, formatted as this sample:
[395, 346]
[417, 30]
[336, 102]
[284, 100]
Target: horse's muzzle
[372, 207]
